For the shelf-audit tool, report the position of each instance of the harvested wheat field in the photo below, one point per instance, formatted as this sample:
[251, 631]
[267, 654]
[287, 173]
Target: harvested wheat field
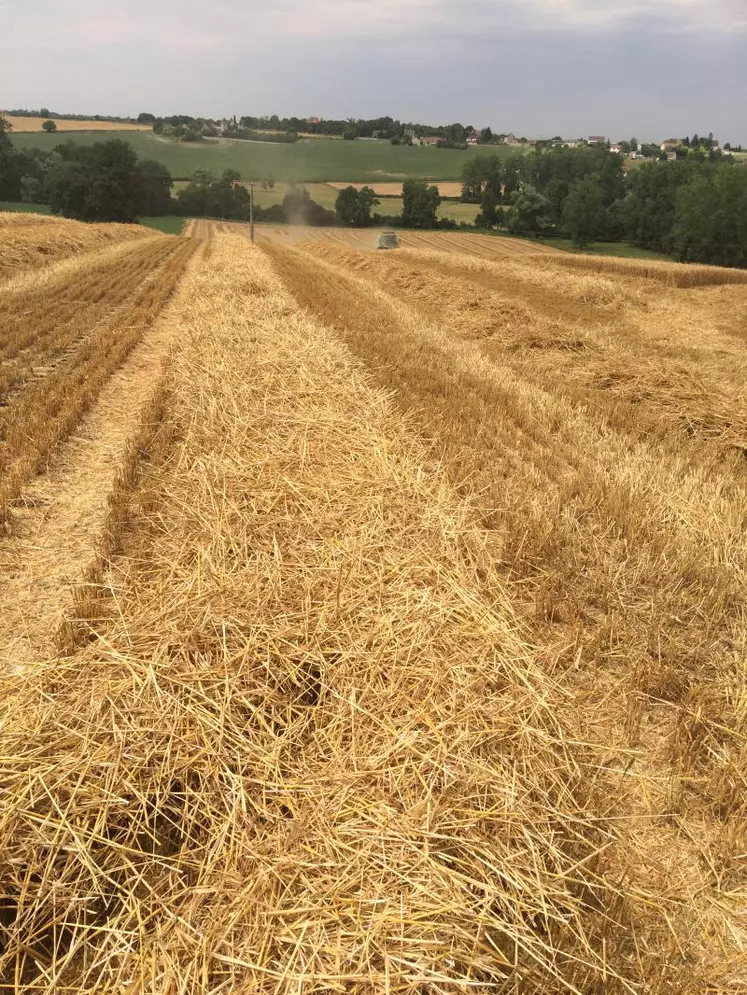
[399, 645]
[24, 124]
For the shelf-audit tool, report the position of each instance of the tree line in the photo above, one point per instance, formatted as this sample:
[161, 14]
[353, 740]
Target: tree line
[273, 128]
[101, 182]
[226, 197]
[694, 208]
[183, 128]
[46, 113]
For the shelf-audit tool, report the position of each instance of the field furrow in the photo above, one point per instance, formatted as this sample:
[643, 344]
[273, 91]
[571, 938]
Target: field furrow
[38, 324]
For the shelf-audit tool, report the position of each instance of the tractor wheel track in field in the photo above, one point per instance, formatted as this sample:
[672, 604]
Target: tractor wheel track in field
[57, 524]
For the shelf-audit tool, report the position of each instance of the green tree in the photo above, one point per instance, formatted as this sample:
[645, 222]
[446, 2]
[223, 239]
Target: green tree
[353, 207]
[488, 215]
[156, 188]
[649, 206]
[529, 211]
[472, 181]
[69, 184]
[367, 201]
[583, 212]
[215, 197]
[514, 172]
[116, 183]
[10, 166]
[420, 204]
[105, 182]
[346, 205]
[484, 172]
[49, 126]
[710, 220]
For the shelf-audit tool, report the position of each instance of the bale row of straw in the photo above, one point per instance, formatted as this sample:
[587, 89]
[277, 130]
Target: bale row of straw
[647, 359]
[671, 274]
[32, 241]
[309, 749]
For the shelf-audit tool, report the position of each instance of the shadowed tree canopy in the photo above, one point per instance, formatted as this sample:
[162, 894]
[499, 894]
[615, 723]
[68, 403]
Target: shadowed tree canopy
[582, 214]
[529, 211]
[106, 182]
[156, 191]
[710, 218]
[420, 204]
[10, 167]
[353, 207]
[215, 197]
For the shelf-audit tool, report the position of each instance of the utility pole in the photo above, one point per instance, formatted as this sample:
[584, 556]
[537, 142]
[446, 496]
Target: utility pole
[251, 212]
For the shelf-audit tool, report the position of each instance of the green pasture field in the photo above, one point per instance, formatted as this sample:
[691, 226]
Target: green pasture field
[456, 211]
[310, 160]
[169, 225]
[12, 206]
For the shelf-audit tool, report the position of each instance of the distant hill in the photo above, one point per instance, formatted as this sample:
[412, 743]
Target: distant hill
[311, 160]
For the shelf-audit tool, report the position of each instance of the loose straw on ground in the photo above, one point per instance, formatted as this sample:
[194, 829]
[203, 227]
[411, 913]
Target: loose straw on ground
[309, 750]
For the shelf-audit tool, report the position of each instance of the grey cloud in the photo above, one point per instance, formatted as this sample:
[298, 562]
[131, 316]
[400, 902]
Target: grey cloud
[535, 66]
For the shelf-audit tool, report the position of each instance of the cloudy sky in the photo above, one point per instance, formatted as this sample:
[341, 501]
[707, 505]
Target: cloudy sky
[650, 68]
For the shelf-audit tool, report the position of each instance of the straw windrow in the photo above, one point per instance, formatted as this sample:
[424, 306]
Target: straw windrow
[31, 241]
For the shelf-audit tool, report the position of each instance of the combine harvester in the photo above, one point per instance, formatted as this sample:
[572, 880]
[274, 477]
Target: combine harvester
[388, 240]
